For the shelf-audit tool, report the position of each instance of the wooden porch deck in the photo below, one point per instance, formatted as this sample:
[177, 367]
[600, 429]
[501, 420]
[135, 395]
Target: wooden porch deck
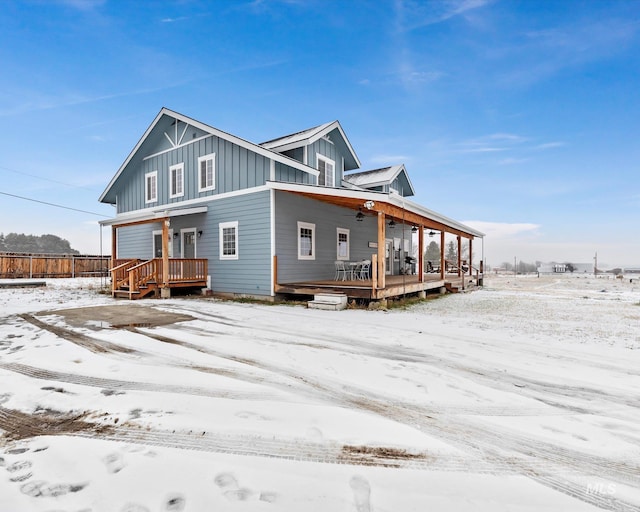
[395, 286]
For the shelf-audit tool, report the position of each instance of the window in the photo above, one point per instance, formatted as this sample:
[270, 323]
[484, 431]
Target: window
[207, 172]
[326, 168]
[229, 240]
[306, 241]
[176, 180]
[343, 244]
[151, 187]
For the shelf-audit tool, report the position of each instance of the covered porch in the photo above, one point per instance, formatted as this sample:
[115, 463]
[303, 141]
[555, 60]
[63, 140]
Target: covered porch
[135, 278]
[396, 230]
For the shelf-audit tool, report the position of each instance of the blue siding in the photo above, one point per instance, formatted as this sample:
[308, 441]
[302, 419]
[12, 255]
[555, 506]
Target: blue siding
[291, 208]
[248, 275]
[291, 175]
[236, 168]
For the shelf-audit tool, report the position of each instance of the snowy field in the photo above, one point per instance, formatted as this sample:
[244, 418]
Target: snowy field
[523, 396]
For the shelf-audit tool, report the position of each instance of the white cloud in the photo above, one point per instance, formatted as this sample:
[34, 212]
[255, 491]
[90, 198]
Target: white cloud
[412, 14]
[550, 145]
[503, 230]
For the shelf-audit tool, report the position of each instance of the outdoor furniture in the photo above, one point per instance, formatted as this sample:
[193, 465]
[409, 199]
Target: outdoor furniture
[365, 267]
[342, 271]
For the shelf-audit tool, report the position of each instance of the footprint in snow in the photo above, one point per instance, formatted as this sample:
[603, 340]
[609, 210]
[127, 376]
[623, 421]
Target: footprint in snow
[114, 462]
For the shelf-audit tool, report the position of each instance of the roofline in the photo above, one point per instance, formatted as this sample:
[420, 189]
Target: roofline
[368, 195]
[267, 153]
[324, 129]
[400, 167]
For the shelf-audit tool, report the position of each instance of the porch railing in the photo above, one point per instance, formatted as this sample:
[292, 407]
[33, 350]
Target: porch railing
[136, 274]
[120, 274]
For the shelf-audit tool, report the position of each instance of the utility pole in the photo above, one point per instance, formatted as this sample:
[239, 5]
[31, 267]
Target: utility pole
[595, 265]
[515, 267]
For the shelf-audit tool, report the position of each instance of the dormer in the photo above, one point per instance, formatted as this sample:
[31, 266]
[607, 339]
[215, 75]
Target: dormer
[324, 147]
[391, 180]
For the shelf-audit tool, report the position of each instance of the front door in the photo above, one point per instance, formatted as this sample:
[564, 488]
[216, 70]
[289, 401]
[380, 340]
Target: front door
[188, 243]
[388, 257]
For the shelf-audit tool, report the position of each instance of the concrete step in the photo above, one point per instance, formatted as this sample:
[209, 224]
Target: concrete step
[328, 301]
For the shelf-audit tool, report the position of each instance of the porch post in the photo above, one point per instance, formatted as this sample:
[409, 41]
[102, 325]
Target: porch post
[421, 254]
[470, 256]
[114, 246]
[381, 250]
[165, 291]
[443, 263]
[459, 255]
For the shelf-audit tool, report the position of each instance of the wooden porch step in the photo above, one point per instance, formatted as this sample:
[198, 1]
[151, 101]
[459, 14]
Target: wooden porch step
[328, 301]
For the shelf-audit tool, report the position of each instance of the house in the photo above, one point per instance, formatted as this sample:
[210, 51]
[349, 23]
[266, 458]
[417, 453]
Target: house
[566, 268]
[199, 207]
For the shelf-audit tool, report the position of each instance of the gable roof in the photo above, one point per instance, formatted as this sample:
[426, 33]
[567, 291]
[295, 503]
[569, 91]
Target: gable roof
[210, 130]
[309, 136]
[379, 177]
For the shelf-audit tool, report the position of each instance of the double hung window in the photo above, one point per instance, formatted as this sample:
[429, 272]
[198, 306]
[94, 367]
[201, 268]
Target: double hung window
[229, 240]
[327, 168]
[306, 241]
[176, 180]
[207, 172]
[151, 187]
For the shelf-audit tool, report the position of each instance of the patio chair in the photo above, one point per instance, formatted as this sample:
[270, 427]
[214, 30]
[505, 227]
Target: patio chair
[365, 267]
[341, 271]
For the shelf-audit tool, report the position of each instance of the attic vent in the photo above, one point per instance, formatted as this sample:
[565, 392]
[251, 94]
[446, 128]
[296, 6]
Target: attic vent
[194, 135]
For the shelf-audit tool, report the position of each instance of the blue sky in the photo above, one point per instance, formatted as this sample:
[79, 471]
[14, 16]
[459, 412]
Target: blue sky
[520, 118]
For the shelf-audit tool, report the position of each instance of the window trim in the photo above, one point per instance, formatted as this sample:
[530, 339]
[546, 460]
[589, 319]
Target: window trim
[343, 231]
[312, 227]
[151, 176]
[221, 227]
[212, 157]
[326, 160]
[157, 232]
[172, 168]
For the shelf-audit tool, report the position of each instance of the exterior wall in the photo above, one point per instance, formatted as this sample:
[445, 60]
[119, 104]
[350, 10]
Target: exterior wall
[237, 168]
[250, 274]
[291, 208]
[325, 148]
[288, 174]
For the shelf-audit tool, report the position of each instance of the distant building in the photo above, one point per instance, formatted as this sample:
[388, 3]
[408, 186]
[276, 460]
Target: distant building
[564, 268]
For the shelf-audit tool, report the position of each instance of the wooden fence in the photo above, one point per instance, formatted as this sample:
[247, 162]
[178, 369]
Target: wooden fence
[15, 265]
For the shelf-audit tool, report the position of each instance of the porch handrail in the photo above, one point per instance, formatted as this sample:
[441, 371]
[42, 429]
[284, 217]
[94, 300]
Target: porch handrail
[119, 275]
[142, 273]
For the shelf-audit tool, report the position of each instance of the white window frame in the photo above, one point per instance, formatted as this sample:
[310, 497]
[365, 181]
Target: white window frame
[222, 227]
[312, 228]
[179, 189]
[342, 231]
[153, 178]
[157, 232]
[323, 172]
[206, 158]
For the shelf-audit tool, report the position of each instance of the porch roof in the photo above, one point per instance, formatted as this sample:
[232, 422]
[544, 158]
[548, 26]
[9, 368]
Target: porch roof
[392, 205]
[152, 215]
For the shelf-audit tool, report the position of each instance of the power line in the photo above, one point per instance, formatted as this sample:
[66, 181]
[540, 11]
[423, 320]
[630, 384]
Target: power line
[43, 178]
[53, 204]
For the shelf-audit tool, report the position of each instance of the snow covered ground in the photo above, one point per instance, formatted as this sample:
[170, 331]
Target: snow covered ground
[522, 396]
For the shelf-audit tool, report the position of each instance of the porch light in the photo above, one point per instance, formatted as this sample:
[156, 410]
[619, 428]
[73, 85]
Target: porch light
[414, 229]
[392, 224]
[199, 233]
[359, 216]
[176, 235]
[432, 233]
